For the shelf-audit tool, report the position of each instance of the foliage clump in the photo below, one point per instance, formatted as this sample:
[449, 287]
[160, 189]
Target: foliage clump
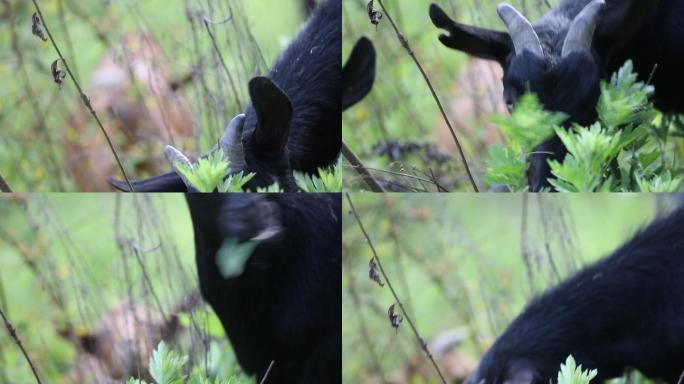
[211, 174]
[571, 373]
[629, 149]
[168, 367]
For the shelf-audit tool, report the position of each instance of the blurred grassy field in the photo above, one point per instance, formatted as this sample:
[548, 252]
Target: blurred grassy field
[32, 156]
[457, 263]
[401, 108]
[80, 247]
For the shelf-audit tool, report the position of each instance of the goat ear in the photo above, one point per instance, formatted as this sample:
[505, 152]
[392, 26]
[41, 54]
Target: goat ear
[479, 42]
[168, 182]
[358, 73]
[274, 114]
[619, 21]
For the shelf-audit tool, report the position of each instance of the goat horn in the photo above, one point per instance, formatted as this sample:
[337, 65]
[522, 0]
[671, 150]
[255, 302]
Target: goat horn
[174, 156]
[519, 28]
[231, 143]
[581, 32]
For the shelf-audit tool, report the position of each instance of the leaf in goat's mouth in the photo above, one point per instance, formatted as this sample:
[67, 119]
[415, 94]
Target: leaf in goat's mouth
[233, 255]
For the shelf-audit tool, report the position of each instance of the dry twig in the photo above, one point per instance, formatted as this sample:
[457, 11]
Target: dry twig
[421, 341]
[13, 334]
[84, 97]
[404, 42]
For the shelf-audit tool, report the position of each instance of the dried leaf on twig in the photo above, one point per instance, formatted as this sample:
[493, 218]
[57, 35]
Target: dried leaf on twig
[57, 73]
[394, 318]
[373, 272]
[37, 27]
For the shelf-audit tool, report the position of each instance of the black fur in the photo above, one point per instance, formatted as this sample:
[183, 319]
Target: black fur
[625, 311]
[358, 75]
[648, 32]
[286, 305]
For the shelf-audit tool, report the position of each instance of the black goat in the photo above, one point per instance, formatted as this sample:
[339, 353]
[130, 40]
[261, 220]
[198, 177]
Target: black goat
[294, 119]
[286, 305]
[564, 55]
[625, 311]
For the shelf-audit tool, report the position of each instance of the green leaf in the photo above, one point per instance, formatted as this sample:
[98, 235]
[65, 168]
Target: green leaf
[624, 100]
[166, 366]
[235, 182]
[506, 167]
[570, 373]
[529, 125]
[328, 180]
[211, 174]
[273, 188]
[233, 255]
[664, 183]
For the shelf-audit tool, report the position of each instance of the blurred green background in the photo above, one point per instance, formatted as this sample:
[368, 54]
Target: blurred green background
[38, 117]
[465, 264]
[92, 252]
[398, 127]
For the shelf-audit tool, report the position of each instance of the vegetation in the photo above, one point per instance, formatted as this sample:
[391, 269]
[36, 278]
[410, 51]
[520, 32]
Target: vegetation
[167, 367]
[571, 373]
[212, 174]
[629, 149]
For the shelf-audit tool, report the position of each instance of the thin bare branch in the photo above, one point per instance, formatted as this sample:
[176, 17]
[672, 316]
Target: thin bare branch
[84, 97]
[421, 341]
[13, 334]
[404, 42]
[356, 163]
[365, 333]
[223, 62]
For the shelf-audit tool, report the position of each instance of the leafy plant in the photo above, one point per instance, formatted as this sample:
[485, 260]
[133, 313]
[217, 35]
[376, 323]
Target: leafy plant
[209, 174]
[528, 126]
[571, 373]
[168, 367]
[233, 255]
[630, 148]
[328, 180]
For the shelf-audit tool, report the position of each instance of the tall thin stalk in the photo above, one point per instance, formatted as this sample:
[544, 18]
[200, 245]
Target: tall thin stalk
[84, 97]
[404, 42]
[13, 334]
[421, 341]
